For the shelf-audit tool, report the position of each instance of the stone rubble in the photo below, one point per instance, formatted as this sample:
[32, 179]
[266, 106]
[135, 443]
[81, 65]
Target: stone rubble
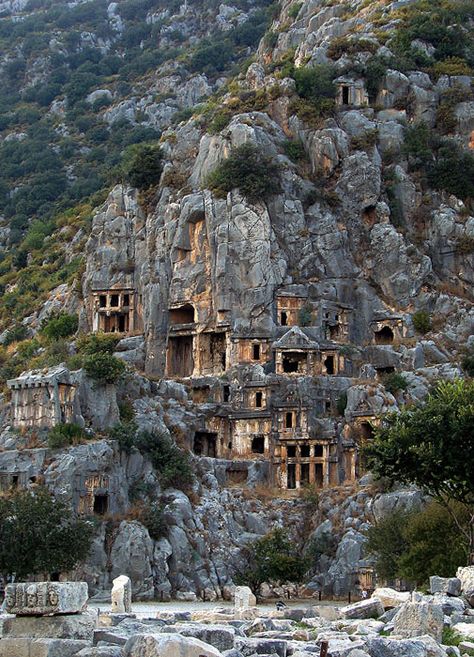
[361, 629]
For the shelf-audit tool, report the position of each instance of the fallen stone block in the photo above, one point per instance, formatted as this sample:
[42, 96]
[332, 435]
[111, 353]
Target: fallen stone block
[465, 629]
[45, 598]
[108, 651]
[419, 618]
[466, 575]
[447, 585]
[22, 647]
[423, 646]
[167, 645]
[121, 596]
[370, 608]
[67, 626]
[390, 597]
[219, 636]
[244, 598]
[466, 645]
[450, 604]
[344, 647]
[261, 646]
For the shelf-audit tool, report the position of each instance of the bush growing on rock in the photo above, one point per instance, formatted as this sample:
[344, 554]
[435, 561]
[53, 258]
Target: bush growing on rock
[40, 535]
[63, 435]
[62, 325]
[172, 464]
[395, 382]
[421, 321]
[97, 343]
[256, 175]
[104, 368]
[142, 165]
[467, 364]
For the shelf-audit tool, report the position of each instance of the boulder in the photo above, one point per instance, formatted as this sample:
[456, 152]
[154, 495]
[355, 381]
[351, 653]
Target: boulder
[423, 646]
[370, 608]
[122, 595]
[244, 598]
[465, 629]
[103, 651]
[167, 645]
[419, 618]
[390, 597]
[448, 585]
[261, 646]
[466, 575]
[219, 636]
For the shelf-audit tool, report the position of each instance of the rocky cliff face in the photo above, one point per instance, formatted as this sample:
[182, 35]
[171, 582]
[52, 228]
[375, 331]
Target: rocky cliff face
[267, 336]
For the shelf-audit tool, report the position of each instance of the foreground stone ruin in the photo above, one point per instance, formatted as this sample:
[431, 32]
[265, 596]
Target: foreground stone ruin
[52, 621]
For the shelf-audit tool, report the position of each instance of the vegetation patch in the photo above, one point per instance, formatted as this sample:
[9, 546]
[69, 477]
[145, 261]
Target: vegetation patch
[256, 175]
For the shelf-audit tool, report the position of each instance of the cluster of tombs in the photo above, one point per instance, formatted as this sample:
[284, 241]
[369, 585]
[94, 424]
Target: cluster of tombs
[241, 418]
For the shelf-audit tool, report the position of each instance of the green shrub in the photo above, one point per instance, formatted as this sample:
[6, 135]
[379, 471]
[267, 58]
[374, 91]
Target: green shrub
[220, 121]
[16, 334]
[305, 315]
[315, 82]
[153, 519]
[63, 435]
[172, 464]
[341, 403]
[254, 174]
[104, 368]
[453, 171]
[365, 141]
[40, 535]
[61, 326]
[451, 637]
[414, 545]
[467, 363]
[294, 10]
[421, 321]
[124, 434]
[142, 165]
[97, 343]
[394, 382]
[126, 410]
[452, 66]
[274, 558]
[294, 149]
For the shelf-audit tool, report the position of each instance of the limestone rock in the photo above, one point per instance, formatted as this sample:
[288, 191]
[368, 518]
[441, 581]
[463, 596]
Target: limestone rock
[261, 646]
[67, 626]
[390, 597]
[419, 618]
[244, 598]
[423, 646]
[103, 651]
[122, 595]
[45, 598]
[370, 608]
[40, 647]
[167, 645]
[219, 636]
[466, 576]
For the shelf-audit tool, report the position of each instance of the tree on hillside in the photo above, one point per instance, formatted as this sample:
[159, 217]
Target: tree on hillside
[412, 545]
[274, 558]
[431, 446]
[40, 535]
